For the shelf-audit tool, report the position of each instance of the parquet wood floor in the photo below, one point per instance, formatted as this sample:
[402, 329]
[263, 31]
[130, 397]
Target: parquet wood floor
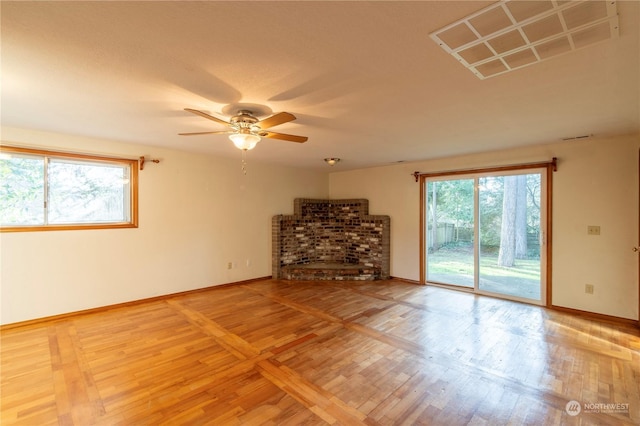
[307, 353]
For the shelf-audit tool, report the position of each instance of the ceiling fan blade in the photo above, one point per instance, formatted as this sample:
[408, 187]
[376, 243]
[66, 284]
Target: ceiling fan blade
[203, 133]
[274, 120]
[207, 116]
[284, 136]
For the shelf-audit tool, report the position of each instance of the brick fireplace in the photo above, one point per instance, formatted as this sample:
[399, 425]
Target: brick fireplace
[330, 240]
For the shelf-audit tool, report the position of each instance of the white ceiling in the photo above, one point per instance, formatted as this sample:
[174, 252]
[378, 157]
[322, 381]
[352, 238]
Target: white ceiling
[364, 79]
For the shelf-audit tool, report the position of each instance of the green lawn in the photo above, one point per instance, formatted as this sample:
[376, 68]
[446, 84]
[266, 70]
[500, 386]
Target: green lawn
[455, 266]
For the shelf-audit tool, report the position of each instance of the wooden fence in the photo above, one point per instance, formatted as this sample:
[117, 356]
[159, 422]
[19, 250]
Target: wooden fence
[450, 233]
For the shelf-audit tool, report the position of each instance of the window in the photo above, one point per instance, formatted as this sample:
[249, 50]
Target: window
[45, 190]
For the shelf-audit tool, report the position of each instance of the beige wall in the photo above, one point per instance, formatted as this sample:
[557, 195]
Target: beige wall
[197, 213]
[596, 184]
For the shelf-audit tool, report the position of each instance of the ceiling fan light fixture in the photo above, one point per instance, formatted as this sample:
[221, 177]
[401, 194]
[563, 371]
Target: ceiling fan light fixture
[244, 141]
[331, 161]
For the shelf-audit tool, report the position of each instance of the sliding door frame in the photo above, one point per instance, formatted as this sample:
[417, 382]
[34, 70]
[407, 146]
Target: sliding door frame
[550, 166]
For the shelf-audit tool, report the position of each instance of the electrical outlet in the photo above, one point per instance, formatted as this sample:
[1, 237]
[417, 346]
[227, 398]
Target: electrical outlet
[230, 265]
[593, 230]
[248, 263]
[588, 288]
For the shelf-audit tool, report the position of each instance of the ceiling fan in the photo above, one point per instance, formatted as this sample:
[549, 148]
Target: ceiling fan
[245, 130]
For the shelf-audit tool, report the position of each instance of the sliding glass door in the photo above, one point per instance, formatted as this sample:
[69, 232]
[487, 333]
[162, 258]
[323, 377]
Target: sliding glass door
[450, 231]
[510, 235]
[485, 232]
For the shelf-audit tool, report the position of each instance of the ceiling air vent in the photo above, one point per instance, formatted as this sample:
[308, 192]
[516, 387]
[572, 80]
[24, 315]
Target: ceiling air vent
[512, 34]
[572, 138]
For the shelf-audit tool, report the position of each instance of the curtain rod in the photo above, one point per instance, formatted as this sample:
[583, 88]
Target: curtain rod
[553, 164]
[151, 160]
[73, 154]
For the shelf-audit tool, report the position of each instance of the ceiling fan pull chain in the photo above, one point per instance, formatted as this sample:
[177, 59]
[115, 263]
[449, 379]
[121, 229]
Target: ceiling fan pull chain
[244, 161]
